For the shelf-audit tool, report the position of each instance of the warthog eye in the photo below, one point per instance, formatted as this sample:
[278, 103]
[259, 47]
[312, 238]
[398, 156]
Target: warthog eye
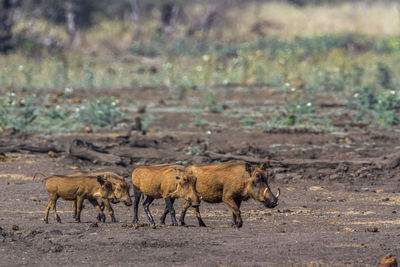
[108, 186]
[177, 177]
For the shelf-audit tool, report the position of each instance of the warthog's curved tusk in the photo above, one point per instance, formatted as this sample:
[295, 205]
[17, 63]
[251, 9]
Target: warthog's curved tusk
[265, 191]
[277, 194]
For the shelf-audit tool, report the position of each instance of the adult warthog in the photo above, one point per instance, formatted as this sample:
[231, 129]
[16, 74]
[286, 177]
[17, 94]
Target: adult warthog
[232, 183]
[163, 181]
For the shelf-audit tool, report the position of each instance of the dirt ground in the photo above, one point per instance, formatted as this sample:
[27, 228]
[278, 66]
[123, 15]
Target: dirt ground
[339, 204]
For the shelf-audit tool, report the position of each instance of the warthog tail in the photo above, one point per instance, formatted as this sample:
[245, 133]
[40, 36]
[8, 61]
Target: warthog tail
[41, 173]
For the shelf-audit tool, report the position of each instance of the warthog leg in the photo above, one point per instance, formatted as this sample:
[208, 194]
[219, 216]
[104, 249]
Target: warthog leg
[51, 204]
[238, 202]
[199, 219]
[146, 205]
[74, 209]
[235, 210]
[136, 194]
[100, 216]
[106, 202]
[196, 210]
[79, 202]
[170, 205]
[166, 210]
[46, 212]
[186, 205]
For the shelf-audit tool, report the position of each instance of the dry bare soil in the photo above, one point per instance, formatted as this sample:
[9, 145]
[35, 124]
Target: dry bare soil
[339, 204]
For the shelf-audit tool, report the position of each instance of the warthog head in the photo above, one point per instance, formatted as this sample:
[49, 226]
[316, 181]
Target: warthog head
[121, 190]
[186, 188]
[258, 187]
[106, 190]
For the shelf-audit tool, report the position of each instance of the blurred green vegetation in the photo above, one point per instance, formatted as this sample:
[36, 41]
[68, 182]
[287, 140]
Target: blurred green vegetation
[359, 69]
[27, 114]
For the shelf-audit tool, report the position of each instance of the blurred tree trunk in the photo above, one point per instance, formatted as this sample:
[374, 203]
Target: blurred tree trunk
[208, 22]
[70, 17]
[135, 16]
[169, 16]
[6, 24]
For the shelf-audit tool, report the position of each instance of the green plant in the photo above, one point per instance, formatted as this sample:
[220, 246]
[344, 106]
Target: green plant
[355, 75]
[103, 112]
[28, 74]
[385, 108]
[193, 150]
[378, 106]
[61, 76]
[207, 140]
[88, 76]
[328, 80]
[148, 49]
[147, 120]
[16, 113]
[383, 75]
[363, 100]
[294, 108]
[247, 122]
[210, 102]
[198, 121]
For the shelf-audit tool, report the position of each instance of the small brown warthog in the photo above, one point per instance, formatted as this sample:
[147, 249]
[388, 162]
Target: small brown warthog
[163, 181]
[232, 183]
[120, 188]
[77, 189]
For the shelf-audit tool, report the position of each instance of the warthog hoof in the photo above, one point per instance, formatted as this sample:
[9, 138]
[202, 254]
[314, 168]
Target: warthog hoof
[202, 224]
[58, 219]
[153, 226]
[101, 217]
[182, 223]
[113, 219]
[237, 225]
[46, 220]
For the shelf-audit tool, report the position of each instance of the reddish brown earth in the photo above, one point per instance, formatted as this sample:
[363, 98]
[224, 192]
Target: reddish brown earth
[339, 204]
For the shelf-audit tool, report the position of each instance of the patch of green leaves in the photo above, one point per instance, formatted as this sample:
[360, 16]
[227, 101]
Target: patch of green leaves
[295, 108]
[375, 105]
[102, 112]
[210, 102]
[27, 114]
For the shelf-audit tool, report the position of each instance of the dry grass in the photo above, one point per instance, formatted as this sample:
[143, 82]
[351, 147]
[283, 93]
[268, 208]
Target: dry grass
[288, 21]
[278, 19]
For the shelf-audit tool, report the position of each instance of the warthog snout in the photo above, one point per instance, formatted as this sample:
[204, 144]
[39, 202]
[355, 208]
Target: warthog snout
[271, 204]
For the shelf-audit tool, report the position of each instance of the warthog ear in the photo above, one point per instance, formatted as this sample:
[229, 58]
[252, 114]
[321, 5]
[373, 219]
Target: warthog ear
[264, 166]
[249, 168]
[100, 180]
